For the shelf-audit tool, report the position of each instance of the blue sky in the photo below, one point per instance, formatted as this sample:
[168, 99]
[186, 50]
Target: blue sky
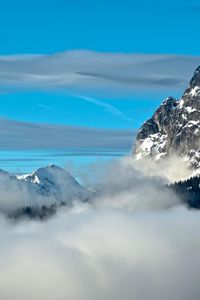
[48, 26]
[113, 31]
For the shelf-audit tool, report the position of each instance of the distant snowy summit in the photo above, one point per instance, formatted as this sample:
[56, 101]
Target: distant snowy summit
[50, 185]
[53, 181]
[174, 128]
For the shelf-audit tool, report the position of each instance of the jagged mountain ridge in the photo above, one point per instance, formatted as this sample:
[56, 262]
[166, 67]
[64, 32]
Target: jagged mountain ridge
[174, 128]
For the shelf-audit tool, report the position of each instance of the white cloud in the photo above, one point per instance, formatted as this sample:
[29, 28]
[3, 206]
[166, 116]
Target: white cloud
[103, 253]
[135, 241]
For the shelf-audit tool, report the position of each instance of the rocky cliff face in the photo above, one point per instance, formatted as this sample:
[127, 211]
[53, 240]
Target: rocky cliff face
[174, 128]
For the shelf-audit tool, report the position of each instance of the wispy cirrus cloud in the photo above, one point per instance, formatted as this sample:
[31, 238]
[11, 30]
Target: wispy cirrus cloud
[103, 73]
[108, 107]
[46, 107]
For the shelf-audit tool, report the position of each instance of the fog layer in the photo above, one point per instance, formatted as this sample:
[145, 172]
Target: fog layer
[134, 241]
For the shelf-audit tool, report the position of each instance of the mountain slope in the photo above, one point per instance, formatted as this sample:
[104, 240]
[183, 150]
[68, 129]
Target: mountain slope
[174, 128]
[55, 182]
[46, 189]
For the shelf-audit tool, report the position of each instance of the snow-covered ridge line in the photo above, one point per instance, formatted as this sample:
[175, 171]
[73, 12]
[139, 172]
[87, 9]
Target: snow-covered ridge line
[44, 186]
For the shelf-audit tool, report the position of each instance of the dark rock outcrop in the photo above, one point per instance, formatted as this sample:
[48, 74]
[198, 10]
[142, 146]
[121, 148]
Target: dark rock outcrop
[174, 128]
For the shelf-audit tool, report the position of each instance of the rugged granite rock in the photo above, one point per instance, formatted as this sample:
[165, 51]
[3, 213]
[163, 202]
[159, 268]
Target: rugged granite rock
[174, 128]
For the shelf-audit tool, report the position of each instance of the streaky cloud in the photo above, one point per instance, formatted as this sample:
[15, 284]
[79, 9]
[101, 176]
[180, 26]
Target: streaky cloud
[108, 107]
[18, 135]
[89, 72]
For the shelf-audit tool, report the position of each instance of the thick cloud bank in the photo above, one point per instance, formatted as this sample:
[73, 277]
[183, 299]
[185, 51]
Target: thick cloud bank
[102, 253]
[118, 183]
[134, 241]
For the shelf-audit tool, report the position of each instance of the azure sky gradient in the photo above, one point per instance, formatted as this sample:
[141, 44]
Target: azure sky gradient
[103, 65]
[35, 26]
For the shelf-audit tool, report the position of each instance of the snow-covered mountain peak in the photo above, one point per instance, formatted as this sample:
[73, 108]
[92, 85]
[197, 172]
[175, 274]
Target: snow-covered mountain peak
[195, 81]
[48, 173]
[192, 93]
[55, 181]
[174, 128]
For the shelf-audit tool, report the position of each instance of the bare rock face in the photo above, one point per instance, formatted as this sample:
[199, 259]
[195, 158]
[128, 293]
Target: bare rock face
[174, 128]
